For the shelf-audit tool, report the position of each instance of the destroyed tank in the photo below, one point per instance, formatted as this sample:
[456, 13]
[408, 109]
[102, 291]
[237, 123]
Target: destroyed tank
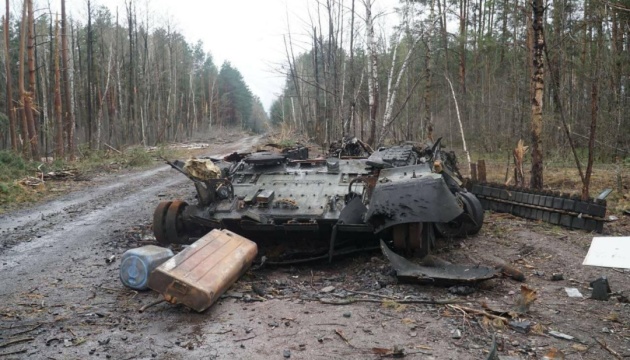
[299, 208]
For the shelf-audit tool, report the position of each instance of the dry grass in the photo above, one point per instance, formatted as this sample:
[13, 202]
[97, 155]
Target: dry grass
[566, 179]
[13, 169]
[288, 136]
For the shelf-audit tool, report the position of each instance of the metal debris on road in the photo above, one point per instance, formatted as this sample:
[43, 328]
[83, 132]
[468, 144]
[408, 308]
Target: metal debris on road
[444, 274]
[601, 289]
[523, 326]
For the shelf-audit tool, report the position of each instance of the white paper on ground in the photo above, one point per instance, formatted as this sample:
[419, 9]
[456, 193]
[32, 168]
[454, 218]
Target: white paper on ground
[610, 251]
[573, 292]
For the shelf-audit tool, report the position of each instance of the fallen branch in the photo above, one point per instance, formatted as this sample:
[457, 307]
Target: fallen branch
[243, 339]
[352, 301]
[611, 351]
[478, 312]
[396, 352]
[371, 294]
[28, 330]
[13, 352]
[343, 337]
[142, 309]
[411, 353]
[116, 150]
[16, 341]
[108, 289]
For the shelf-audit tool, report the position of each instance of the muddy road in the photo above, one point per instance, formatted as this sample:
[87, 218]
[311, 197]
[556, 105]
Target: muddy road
[62, 300]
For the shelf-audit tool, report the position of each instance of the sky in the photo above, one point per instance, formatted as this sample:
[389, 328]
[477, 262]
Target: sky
[247, 33]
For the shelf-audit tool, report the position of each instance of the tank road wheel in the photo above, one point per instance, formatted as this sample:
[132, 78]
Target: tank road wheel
[175, 229]
[468, 223]
[473, 207]
[455, 227]
[159, 222]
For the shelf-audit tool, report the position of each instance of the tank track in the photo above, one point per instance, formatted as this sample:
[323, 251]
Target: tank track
[549, 206]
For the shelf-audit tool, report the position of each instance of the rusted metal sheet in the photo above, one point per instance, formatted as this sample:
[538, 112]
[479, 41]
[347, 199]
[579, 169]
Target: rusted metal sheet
[442, 273]
[201, 273]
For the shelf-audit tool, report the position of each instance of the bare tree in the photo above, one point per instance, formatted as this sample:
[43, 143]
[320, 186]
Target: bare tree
[349, 120]
[7, 63]
[372, 69]
[24, 97]
[461, 126]
[90, 67]
[57, 99]
[595, 78]
[66, 71]
[538, 83]
[99, 116]
[392, 88]
[29, 103]
[131, 113]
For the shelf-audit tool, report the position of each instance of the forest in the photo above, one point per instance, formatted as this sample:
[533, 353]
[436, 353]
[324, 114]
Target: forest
[553, 73]
[466, 59]
[110, 82]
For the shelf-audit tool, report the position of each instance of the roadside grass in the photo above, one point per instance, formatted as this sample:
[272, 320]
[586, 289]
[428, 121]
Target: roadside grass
[14, 169]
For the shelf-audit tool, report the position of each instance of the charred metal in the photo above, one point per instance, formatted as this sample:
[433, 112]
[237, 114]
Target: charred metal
[318, 208]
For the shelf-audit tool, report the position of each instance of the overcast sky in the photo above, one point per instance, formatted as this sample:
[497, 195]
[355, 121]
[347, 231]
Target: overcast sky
[248, 33]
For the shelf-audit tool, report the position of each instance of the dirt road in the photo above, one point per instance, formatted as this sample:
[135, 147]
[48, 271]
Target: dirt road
[61, 300]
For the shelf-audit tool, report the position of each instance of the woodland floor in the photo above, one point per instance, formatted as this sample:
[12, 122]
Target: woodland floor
[61, 300]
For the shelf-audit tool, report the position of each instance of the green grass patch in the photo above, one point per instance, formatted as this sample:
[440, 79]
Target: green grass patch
[286, 143]
[138, 157]
[13, 169]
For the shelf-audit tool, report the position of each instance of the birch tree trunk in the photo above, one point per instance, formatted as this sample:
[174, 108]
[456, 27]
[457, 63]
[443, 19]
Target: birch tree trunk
[461, 126]
[392, 90]
[372, 67]
[350, 119]
[99, 117]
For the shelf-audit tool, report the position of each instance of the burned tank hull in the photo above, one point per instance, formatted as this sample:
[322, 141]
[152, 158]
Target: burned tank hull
[303, 209]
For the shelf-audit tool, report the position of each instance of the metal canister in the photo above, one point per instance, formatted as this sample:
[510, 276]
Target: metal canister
[201, 273]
